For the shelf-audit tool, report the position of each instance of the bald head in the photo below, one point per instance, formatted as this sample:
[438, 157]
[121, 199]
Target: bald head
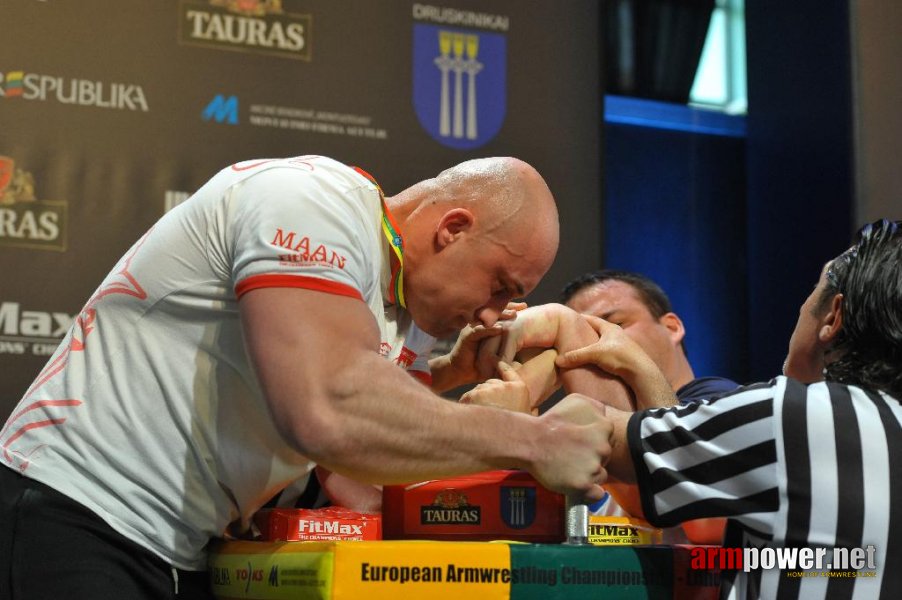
[488, 224]
[504, 191]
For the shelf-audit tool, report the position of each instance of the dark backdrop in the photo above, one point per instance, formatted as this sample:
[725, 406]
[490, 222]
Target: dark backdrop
[110, 113]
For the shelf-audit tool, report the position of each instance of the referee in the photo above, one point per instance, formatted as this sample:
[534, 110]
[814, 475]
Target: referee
[812, 458]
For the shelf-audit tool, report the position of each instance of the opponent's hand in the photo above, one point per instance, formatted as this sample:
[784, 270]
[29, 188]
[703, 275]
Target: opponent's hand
[576, 446]
[614, 352]
[474, 356]
[509, 392]
[535, 327]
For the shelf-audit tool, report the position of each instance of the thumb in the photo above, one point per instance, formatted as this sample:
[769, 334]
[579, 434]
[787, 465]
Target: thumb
[573, 358]
[507, 372]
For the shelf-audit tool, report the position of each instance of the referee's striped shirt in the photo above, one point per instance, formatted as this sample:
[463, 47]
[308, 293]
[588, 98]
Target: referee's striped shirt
[793, 466]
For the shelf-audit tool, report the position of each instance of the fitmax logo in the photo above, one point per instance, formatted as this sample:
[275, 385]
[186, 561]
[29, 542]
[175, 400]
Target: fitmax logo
[222, 109]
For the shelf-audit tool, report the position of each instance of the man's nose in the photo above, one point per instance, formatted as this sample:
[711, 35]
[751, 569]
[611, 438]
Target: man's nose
[488, 315]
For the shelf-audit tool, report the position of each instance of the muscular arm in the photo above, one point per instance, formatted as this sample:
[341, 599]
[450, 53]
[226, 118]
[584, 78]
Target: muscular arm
[615, 352]
[559, 327]
[335, 400]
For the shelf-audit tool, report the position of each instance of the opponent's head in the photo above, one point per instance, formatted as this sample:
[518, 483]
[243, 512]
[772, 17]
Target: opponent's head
[476, 236]
[850, 327]
[642, 309]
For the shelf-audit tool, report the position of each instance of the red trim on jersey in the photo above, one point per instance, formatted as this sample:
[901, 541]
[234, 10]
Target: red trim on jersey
[26, 428]
[256, 282]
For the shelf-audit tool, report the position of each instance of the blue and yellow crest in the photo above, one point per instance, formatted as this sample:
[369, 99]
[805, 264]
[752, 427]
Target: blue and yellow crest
[459, 84]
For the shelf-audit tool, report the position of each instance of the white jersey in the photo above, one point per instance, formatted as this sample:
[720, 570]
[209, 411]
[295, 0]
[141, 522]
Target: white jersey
[149, 413]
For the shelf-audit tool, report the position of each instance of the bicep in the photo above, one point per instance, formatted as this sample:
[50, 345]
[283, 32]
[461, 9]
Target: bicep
[300, 342]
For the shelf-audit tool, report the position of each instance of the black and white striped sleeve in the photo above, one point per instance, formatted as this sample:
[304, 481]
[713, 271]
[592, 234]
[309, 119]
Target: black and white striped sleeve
[713, 458]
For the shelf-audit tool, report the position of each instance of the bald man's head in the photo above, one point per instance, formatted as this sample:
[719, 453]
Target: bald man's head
[477, 235]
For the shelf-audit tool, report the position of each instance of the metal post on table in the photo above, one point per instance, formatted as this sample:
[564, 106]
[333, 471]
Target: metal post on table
[577, 523]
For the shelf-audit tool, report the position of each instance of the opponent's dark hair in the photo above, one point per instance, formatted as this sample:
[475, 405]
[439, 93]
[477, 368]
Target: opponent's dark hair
[649, 292]
[869, 277]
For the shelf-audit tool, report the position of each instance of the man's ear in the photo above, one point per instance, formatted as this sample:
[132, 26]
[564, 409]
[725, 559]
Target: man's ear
[452, 225]
[831, 322]
[675, 326]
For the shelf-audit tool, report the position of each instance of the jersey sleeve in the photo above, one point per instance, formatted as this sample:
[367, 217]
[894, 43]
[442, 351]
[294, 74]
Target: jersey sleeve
[716, 458]
[292, 228]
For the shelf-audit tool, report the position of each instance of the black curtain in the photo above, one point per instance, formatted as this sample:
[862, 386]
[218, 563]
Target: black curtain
[653, 46]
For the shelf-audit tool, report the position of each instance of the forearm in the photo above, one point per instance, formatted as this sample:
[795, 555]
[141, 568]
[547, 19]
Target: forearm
[334, 399]
[539, 374]
[444, 376]
[393, 430]
[621, 472]
[620, 466]
[556, 326]
[648, 384]
[573, 333]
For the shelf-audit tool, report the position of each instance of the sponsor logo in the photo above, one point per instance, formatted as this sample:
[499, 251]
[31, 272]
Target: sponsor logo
[222, 110]
[274, 576]
[26, 221]
[259, 26]
[32, 332]
[459, 80]
[598, 530]
[405, 357]
[220, 576]
[518, 506]
[450, 507]
[337, 528]
[81, 92]
[305, 253]
[248, 575]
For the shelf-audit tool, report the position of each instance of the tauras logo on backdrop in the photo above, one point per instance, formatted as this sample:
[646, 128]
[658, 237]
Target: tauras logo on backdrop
[31, 331]
[459, 76]
[26, 221]
[82, 92]
[259, 26]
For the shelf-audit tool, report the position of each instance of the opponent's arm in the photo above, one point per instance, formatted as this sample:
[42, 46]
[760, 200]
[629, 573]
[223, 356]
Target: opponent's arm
[559, 327]
[334, 399]
[615, 352]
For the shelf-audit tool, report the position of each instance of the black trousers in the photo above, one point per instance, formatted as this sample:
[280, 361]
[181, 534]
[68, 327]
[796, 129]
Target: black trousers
[51, 548]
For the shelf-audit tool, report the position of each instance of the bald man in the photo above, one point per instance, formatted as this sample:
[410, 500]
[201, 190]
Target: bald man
[260, 328]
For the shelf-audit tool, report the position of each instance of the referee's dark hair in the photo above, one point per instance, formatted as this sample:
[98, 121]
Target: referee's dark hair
[869, 276]
[649, 292]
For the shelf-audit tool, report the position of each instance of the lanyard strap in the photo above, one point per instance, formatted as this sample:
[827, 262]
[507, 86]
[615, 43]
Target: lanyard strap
[393, 235]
